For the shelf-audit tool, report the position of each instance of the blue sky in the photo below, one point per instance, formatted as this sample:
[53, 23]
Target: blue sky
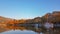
[19, 9]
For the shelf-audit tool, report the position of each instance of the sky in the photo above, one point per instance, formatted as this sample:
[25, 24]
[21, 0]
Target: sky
[25, 9]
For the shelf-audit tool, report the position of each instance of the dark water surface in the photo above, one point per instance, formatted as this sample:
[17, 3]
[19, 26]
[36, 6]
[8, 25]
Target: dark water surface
[27, 30]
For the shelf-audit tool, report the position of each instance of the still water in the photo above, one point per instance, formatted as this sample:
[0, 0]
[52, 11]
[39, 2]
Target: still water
[28, 30]
[19, 32]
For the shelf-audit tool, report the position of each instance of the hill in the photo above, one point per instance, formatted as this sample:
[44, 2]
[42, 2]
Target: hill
[53, 17]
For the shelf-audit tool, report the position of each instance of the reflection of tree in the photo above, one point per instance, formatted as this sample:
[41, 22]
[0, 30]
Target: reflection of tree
[37, 30]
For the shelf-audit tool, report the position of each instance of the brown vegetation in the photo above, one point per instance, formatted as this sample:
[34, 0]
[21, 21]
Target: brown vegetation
[51, 17]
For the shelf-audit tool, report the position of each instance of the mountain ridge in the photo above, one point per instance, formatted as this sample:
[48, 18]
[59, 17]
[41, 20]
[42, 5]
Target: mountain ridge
[55, 16]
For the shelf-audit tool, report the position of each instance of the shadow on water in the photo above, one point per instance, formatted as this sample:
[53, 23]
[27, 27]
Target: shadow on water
[27, 29]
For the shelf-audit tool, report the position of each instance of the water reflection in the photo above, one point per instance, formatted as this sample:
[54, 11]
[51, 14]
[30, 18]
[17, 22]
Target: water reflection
[28, 30]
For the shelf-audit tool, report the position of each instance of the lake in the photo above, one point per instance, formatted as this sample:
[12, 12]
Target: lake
[28, 30]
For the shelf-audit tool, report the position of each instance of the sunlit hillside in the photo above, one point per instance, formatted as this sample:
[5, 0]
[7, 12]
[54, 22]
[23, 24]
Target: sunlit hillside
[53, 17]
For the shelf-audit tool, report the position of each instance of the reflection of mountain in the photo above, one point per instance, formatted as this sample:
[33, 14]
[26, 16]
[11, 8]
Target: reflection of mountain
[7, 28]
[35, 29]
